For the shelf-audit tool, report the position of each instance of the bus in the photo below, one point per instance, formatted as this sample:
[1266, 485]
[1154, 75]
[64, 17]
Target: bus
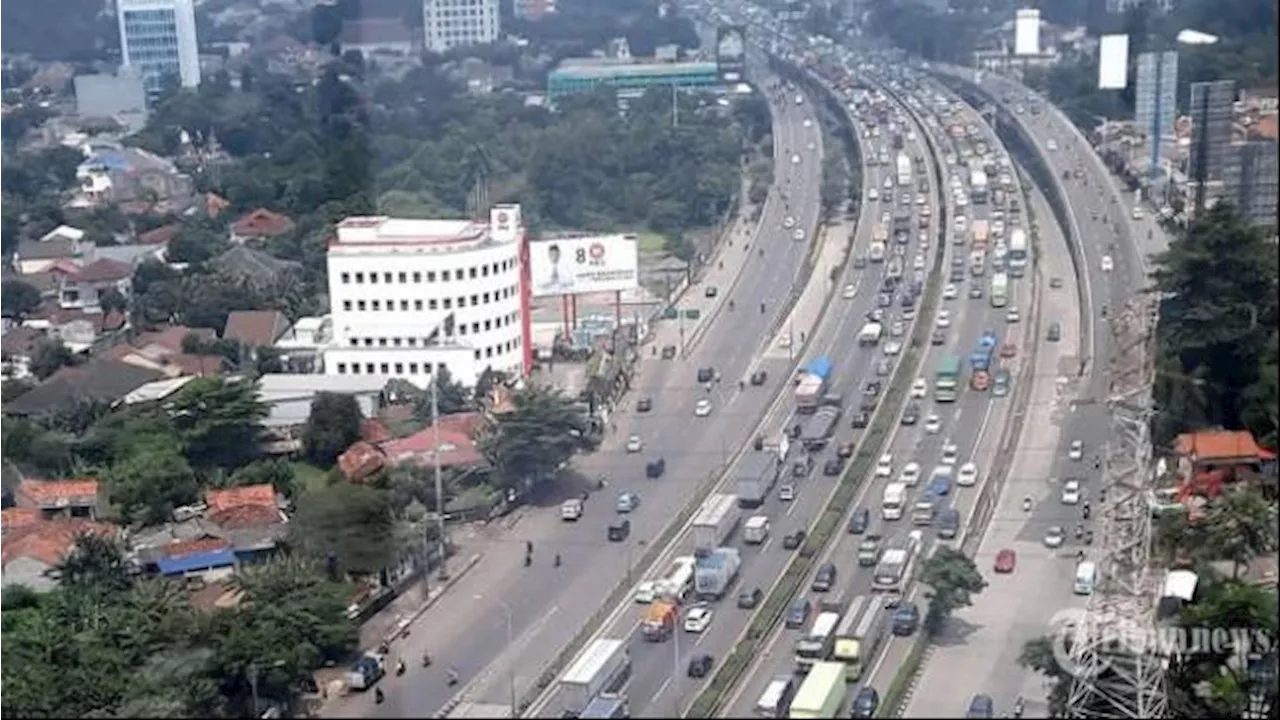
[846, 647]
[816, 645]
[1017, 258]
[946, 378]
[999, 290]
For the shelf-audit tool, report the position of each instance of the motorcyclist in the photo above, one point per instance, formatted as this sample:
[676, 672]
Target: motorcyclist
[400, 668]
[1026, 503]
[426, 659]
[528, 547]
[557, 560]
[1018, 707]
[730, 304]
[453, 676]
[761, 308]
[742, 385]
[378, 697]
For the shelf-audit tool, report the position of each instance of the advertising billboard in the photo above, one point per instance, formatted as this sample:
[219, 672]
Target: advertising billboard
[1113, 62]
[1026, 32]
[576, 265]
[731, 52]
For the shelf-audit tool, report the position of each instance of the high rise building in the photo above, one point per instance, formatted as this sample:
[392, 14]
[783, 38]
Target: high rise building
[448, 24]
[1211, 119]
[158, 40]
[1155, 102]
[1252, 183]
[1123, 6]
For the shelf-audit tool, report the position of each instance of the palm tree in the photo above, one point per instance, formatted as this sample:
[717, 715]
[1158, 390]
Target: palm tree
[1240, 525]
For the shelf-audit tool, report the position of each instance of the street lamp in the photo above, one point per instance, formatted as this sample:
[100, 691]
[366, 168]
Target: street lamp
[512, 669]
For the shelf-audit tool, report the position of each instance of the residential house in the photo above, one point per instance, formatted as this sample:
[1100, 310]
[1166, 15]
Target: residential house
[302, 345]
[163, 352]
[85, 288]
[377, 36]
[80, 330]
[112, 173]
[255, 267]
[452, 443]
[156, 391]
[102, 380]
[35, 256]
[255, 328]
[261, 224]
[53, 499]
[288, 397]
[34, 549]
[251, 518]
[1207, 460]
[17, 349]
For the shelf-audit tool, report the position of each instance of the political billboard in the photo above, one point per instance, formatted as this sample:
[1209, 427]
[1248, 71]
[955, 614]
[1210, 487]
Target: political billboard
[731, 52]
[576, 265]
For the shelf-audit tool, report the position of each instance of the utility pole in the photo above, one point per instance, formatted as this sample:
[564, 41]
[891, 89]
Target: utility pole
[435, 430]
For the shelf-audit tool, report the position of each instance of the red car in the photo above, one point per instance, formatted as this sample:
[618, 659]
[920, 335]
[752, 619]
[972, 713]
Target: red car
[1006, 560]
[1009, 350]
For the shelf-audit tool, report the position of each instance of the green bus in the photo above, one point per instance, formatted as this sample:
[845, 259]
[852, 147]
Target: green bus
[946, 378]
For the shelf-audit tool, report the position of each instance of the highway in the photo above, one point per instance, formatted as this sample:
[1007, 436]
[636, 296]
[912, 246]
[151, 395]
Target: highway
[973, 424]
[659, 686]
[546, 606]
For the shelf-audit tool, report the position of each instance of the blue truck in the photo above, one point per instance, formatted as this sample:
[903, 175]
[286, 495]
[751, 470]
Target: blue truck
[980, 360]
[812, 384]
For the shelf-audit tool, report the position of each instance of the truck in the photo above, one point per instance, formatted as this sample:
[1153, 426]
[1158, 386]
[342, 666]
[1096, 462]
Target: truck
[678, 580]
[812, 384]
[870, 334]
[715, 521]
[902, 220]
[904, 170]
[895, 496]
[846, 648]
[659, 620]
[755, 530]
[894, 567]
[860, 638]
[980, 358]
[981, 234]
[822, 694]
[715, 572]
[817, 430]
[1017, 252]
[601, 668]
[606, 706]
[946, 378]
[757, 475]
[815, 646]
[925, 509]
[978, 186]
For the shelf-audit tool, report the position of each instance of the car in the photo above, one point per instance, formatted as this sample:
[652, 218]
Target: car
[932, 424]
[627, 501]
[703, 408]
[911, 414]
[876, 315]
[618, 531]
[795, 159]
[788, 222]
[907, 300]
[868, 403]
[859, 521]
[1012, 316]
[891, 348]
[938, 338]
[786, 492]
[634, 444]
[898, 328]
[668, 352]
[940, 481]
[825, 578]
[700, 665]
[968, 475]
[883, 367]
[905, 619]
[884, 466]
[1108, 264]
[1055, 332]
[644, 404]
[646, 592]
[1071, 492]
[697, 619]
[949, 452]
[910, 474]
[798, 613]
[919, 388]
[850, 291]
[1076, 450]
[865, 703]
[859, 261]
[1006, 560]
[981, 706]
[832, 467]
[711, 291]
[706, 374]
[980, 380]
[1008, 350]
[950, 292]
[884, 300]
[944, 319]
[793, 539]
[860, 420]
[759, 377]
[1055, 282]
[1054, 537]
[871, 388]
[917, 263]
[1000, 386]
[655, 468]
[975, 292]
[808, 122]
[748, 599]
[797, 234]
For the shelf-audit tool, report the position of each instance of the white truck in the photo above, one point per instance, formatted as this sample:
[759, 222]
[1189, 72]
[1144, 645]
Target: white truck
[715, 522]
[715, 572]
[904, 170]
[895, 497]
[571, 510]
[601, 668]
[755, 530]
[870, 334]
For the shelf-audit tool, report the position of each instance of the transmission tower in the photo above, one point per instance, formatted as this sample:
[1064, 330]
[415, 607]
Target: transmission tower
[1119, 671]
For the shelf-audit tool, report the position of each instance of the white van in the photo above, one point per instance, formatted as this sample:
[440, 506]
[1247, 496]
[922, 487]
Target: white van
[776, 698]
[1086, 578]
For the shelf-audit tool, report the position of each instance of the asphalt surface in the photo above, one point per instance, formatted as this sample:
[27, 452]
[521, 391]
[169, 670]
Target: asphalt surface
[546, 606]
[973, 424]
[979, 652]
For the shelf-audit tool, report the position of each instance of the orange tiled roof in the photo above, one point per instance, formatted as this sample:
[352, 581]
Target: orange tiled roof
[360, 461]
[50, 541]
[241, 517]
[17, 518]
[49, 492]
[261, 495]
[1218, 445]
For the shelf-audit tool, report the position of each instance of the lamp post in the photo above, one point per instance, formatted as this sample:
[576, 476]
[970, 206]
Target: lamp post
[511, 675]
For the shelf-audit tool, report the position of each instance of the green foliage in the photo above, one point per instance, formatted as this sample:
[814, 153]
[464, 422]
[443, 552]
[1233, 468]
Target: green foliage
[352, 523]
[279, 474]
[52, 355]
[541, 433]
[218, 421]
[1240, 524]
[451, 397]
[952, 579]
[18, 298]
[148, 485]
[1038, 655]
[332, 426]
[948, 34]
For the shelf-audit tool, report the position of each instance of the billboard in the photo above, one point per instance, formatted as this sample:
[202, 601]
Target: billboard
[1113, 62]
[576, 265]
[1026, 32]
[731, 52]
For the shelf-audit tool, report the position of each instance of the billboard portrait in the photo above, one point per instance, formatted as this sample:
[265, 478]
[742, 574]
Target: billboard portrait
[572, 266]
[731, 51]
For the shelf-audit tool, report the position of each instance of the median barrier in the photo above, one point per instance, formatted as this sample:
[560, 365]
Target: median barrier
[897, 692]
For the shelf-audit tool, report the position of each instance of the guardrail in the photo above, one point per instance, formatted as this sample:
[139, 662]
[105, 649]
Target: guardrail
[870, 446]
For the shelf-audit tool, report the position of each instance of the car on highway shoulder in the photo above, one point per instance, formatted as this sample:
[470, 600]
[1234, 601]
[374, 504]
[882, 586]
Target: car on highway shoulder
[1008, 350]
[845, 450]
[825, 578]
[919, 388]
[634, 444]
[789, 222]
[759, 377]
[938, 338]
[884, 466]
[905, 619]
[883, 367]
[968, 475]
[860, 420]
[644, 404]
[697, 619]
[1012, 316]
[1108, 264]
[859, 521]
[1055, 282]
[1000, 384]
[1055, 332]
[850, 291]
[911, 414]
[786, 492]
[797, 234]
[950, 292]
[832, 467]
[859, 261]
[703, 408]
[1006, 560]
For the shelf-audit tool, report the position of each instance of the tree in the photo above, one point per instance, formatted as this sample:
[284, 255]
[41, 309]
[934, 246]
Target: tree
[96, 565]
[18, 298]
[540, 434]
[149, 485]
[350, 522]
[112, 300]
[332, 427]
[218, 421]
[51, 355]
[279, 474]
[1039, 655]
[1240, 525]
[953, 579]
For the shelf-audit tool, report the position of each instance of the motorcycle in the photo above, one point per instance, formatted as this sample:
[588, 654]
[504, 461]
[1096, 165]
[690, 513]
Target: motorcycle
[1079, 532]
[400, 667]
[1026, 504]
[1088, 538]
[426, 660]
[378, 697]
[453, 677]
[1085, 511]
[1018, 707]
[557, 560]
[730, 304]
[761, 308]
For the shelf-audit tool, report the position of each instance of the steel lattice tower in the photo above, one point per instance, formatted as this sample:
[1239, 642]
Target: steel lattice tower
[1117, 678]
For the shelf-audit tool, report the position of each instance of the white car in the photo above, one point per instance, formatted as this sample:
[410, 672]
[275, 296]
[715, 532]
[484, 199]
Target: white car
[789, 222]
[1071, 492]
[812, 145]
[795, 159]
[646, 592]
[808, 122]
[932, 424]
[849, 292]
[949, 452]
[1052, 144]
[1107, 264]
[697, 619]
[893, 347]
[910, 474]
[944, 319]
[921, 199]
[634, 444]
[884, 467]
[968, 475]
[786, 493]
[1076, 451]
[950, 292]
[784, 342]
[703, 408]
[1054, 537]
[917, 263]
[897, 329]
[1012, 316]
[919, 388]
[797, 234]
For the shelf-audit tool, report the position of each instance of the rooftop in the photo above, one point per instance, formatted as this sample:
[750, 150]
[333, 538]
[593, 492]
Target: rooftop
[262, 223]
[375, 31]
[57, 492]
[1210, 445]
[606, 71]
[49, 542]
[255, 327]
[427, 235]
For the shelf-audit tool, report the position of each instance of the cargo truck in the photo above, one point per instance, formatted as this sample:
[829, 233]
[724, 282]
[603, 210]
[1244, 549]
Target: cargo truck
[904, 170]
[715, 521]
[757, 475]
[606, 706]
[981, 234]
[601, 668]
[715, 573]
[978, 186]
[822, 694]
[812, 384]
[659, 620]
[817, 430]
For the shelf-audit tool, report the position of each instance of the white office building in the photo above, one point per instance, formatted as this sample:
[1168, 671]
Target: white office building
[448, 24]
[409, 296]
[158, 39]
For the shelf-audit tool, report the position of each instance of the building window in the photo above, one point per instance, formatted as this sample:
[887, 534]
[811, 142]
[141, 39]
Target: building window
[360, 305]
[342, 368]
[413, 342]
[433, 304]
[404, 305]
[484, 271]
[448, 304]
[359, 278]
[399, 368]
[475, 300]
[397, 341]
[368, 368]
[462, 329]
[391, 305]
[386, 368]
[431, 276]
[355, 342]
[355, 368]
[485, 298]
[346, 278]
[413, 368]
[472, 273]
[488, 352]
[444, 276]
[346, 305]
[475, 327]
[417, 304]
[382, 342]
[477, 354]
[376, 304]
[404, 278]
[417, 277]
[373, 278]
